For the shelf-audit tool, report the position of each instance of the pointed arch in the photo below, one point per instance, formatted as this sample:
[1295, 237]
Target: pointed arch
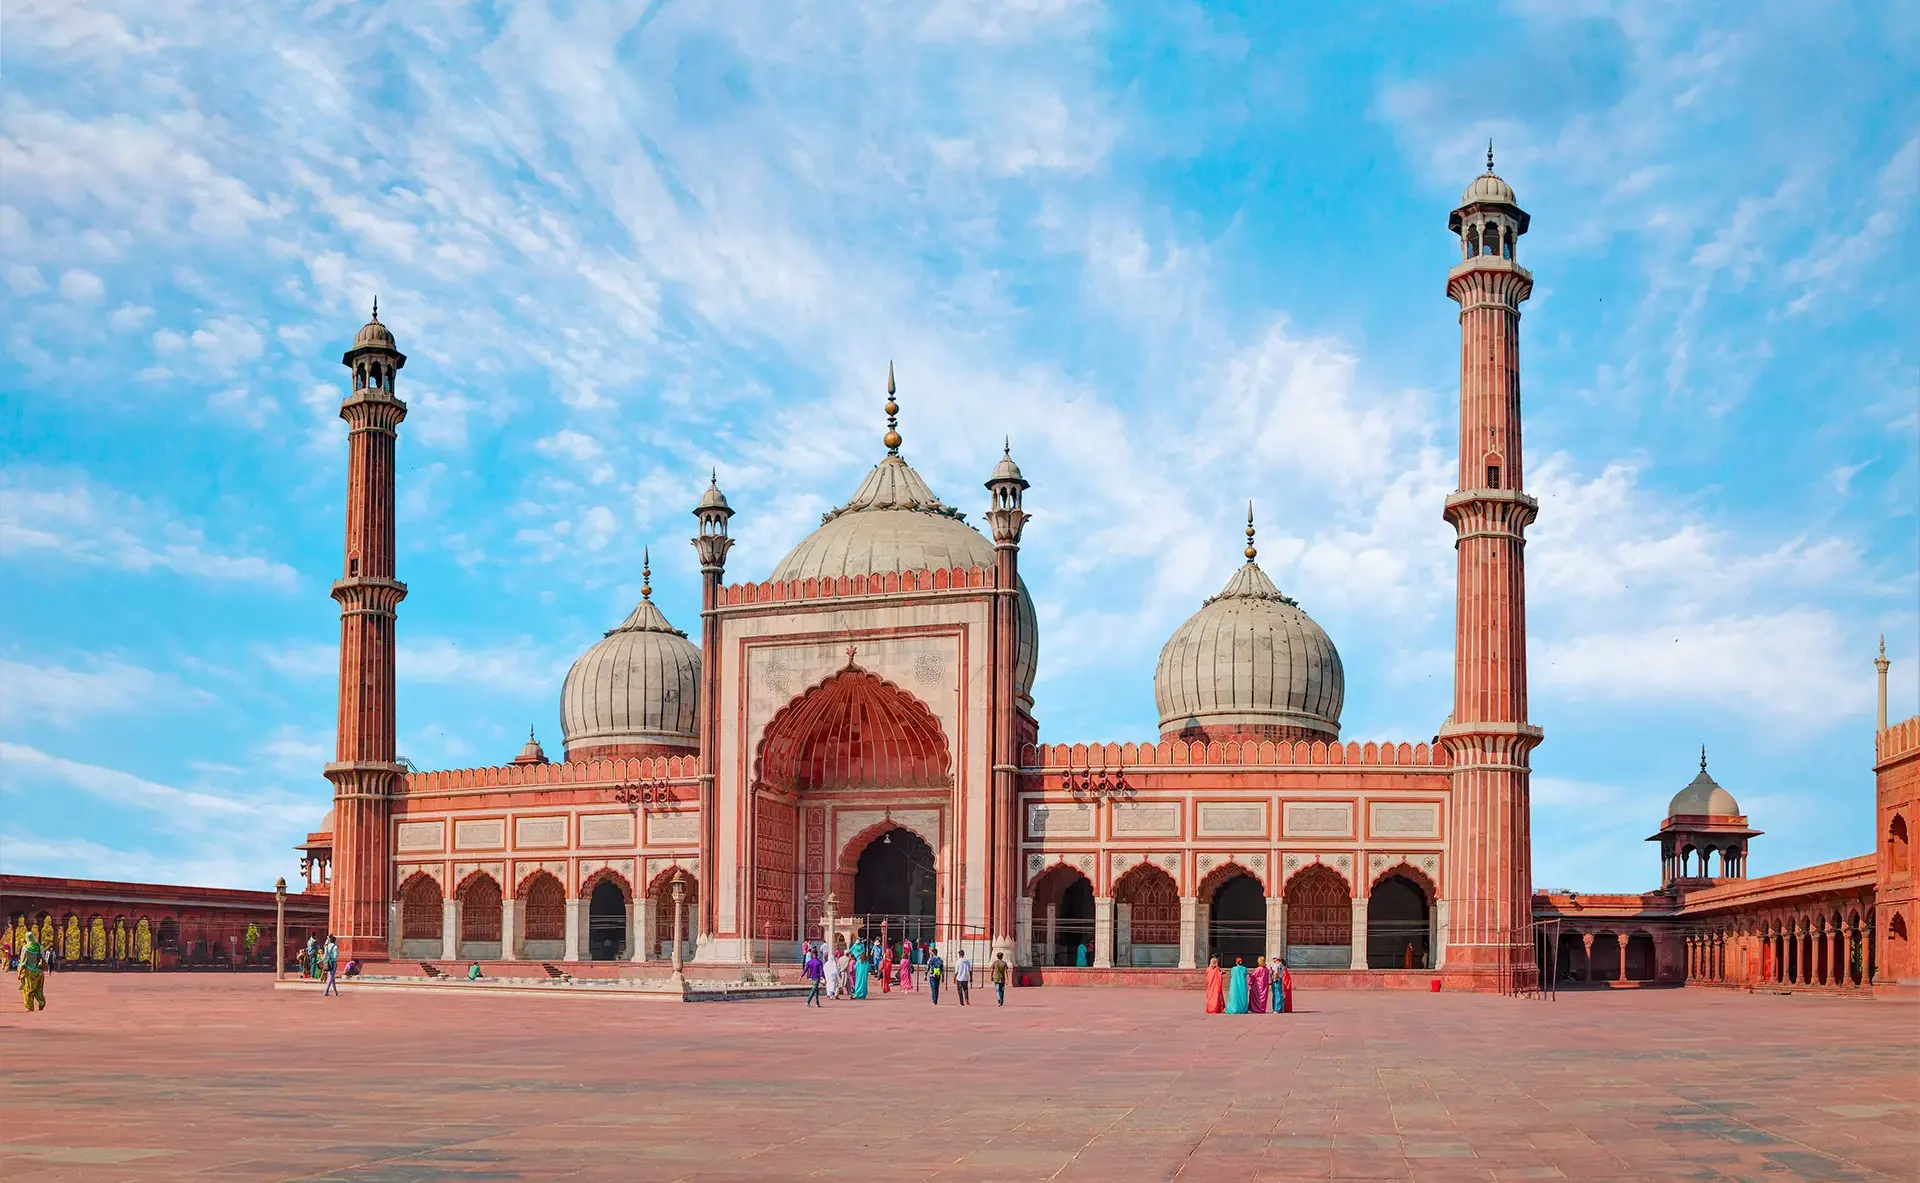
[853, 730]
[1407, 870]
[1231, 869]
[606, 875]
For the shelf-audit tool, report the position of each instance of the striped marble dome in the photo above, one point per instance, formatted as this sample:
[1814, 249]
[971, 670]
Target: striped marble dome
[1250, 662]
[893, 522]
[640, 685]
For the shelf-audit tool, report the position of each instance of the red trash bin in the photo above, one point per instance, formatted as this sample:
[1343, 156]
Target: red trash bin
[1435, 986]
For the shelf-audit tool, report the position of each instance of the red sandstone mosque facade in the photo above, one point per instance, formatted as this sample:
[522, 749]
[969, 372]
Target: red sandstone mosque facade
[852, 740]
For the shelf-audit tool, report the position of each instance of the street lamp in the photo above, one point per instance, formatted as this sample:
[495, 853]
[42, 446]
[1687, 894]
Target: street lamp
[280, 929]
[679, 894]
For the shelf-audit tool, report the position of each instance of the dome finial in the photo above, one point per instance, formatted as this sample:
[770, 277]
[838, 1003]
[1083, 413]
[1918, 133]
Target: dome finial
[1006, 449]
[892, 438]
[1251, 552]
[1489, 153]
[376, 308]
[1703, 757]
[646, 573]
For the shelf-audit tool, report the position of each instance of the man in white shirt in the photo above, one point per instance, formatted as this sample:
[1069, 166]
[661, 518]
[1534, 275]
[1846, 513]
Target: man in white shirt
[962, 976]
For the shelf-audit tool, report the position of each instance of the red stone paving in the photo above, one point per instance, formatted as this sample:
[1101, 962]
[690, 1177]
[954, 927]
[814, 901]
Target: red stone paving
[202, 1077]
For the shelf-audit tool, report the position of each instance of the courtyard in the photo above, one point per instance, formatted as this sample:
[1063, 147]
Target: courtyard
[180, 1076]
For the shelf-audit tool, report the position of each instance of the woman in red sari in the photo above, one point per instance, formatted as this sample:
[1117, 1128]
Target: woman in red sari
[1259, 986]
[1216, 987]
[886, 970]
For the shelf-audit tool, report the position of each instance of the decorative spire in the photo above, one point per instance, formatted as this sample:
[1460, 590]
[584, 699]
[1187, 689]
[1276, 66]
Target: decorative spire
[892, 438]
[376, 309]
[530, 738]
[1006, 449]
[1703, 757]
[1489, 154]
[646, 573]
[1251, 552]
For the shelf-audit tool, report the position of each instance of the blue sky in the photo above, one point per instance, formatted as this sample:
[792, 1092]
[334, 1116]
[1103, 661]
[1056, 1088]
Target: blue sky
[1182, 255]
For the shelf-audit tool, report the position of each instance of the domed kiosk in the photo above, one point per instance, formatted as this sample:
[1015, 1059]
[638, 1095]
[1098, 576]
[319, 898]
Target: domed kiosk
[1703, 820]
[637, 691]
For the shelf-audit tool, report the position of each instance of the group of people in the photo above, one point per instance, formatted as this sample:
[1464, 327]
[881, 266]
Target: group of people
[1238, 990]
[32, 963]
[318, 961]
[850, 972]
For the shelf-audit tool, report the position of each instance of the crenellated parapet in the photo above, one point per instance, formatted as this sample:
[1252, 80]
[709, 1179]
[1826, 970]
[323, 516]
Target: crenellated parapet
[1173, 753]
[1901, 739]
[558, 775]
[782, 591]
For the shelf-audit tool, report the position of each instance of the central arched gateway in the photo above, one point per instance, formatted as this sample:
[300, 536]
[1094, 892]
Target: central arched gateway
[853, 787]
[895, 886]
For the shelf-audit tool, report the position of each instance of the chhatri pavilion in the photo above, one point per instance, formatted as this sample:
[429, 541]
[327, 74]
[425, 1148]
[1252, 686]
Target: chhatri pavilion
[849, 743]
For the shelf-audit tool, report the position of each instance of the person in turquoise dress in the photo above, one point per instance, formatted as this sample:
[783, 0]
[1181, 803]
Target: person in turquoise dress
[861, 968]
[1080, 955]
[1237, 988]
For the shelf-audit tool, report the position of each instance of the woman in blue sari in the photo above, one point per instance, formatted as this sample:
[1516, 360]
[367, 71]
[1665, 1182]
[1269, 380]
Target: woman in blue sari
[861, 968]
[1237, 988]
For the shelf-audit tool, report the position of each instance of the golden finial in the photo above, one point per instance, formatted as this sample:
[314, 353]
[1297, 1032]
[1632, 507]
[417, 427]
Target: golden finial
[646, 573]
[892, 438]
[1251, 552]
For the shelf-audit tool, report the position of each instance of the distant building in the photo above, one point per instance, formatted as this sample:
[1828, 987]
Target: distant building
[93, 924]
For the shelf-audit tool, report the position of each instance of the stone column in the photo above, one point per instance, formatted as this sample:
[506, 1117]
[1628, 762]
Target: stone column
[1023, 931]
[1202, 929]
[649, 925]
[511, 910]
[1276, 928]
[1189, 930]
[393, 931]
[450, 929]
[1053, 934]
[635, 950]
[1837, 957]
[1586, 945]
[1360, 932]
[1622, 938]
[1122, 934]
[576, 924]
[1103, 932]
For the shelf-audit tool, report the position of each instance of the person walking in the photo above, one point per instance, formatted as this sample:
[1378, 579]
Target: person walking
[33, 973]
[907, 956]
[936, 969]
[814, 973]
[997, 973]
[963, 977]
[886, 969]
[332, 957]
[833, 975]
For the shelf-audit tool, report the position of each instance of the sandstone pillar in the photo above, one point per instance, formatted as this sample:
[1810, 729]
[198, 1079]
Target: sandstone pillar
[1189, 930]
[1052, 954]
[1122, 934]
[1103, 932]
[1276, 928]
[575, 932]
[649, 925]
[1023, 931]
[1360, 932]
[450, 929]
[511, 912]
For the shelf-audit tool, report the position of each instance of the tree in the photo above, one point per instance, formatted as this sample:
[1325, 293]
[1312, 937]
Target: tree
[251, 939]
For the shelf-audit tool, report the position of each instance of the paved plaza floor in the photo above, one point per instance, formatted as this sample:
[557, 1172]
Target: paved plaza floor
[203, 1077]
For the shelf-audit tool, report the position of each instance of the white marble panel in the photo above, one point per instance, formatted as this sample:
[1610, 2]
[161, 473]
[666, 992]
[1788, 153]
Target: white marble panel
[411, 836]
[539, 831]
[673, 829]
[1316, 819]
[480, 835]
[1405, 821]
[606, 829]
[1053, 819]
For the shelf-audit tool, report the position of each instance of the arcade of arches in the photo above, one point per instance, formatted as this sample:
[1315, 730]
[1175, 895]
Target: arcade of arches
[1146, 922]
[99, 925]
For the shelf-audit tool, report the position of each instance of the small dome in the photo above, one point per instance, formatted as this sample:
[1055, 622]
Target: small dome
[1488, 189]
[1703, 797]
[713, 498]
[373, 335]
[1007, 470]
[1250, 661]
[638, 686]
[326, 823]
[531, 752]
[895, 523]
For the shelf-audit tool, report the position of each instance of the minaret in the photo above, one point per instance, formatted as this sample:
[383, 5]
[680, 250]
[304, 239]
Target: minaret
[1005, 489]
[365, 771]
[1880, 665]
[712, 543]
[1489, 878]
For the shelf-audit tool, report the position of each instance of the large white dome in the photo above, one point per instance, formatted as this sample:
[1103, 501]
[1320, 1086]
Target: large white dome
[893, 522]
[1250, 662]
[639, 686]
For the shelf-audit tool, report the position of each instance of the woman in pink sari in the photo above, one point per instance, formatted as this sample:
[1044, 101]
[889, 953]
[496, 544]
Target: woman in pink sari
[906, 965]
[1286, 989]
[1258, 986]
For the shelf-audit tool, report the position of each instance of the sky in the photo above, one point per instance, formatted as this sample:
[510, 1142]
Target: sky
[1181, 256]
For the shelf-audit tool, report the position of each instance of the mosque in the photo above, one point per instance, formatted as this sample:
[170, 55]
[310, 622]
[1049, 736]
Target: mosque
[851, 744]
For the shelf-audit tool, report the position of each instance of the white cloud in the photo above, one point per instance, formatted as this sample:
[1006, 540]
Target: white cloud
[519, 667]
[48, 515]
[172, 808]
[242, 404]
[65, 696]
[129, 317]
[25, 280]
[81, 286]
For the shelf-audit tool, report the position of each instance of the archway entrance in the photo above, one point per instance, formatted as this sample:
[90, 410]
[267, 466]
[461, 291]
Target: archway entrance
[1146, 906]
[1062, 917]
[1397, 932]
[1237, 921]
[606, 921]
[894, 884]
[1319, 920]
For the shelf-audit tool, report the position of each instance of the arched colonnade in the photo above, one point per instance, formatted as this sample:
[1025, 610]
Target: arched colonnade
[598, 922]
[1829, 946]
[1146, 920]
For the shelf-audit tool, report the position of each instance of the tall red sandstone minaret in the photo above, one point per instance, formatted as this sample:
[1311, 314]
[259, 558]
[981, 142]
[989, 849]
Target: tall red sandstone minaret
[1008, 520]
[365, 771]
[1489, 888]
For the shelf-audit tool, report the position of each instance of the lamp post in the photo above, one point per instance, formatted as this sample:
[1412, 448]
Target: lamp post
[679, 894]
[766, 944]
[280, 929]
[826, 922]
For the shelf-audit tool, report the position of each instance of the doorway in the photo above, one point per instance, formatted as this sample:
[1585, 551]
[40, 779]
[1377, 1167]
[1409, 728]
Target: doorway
[606, 921]
[894, 884]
